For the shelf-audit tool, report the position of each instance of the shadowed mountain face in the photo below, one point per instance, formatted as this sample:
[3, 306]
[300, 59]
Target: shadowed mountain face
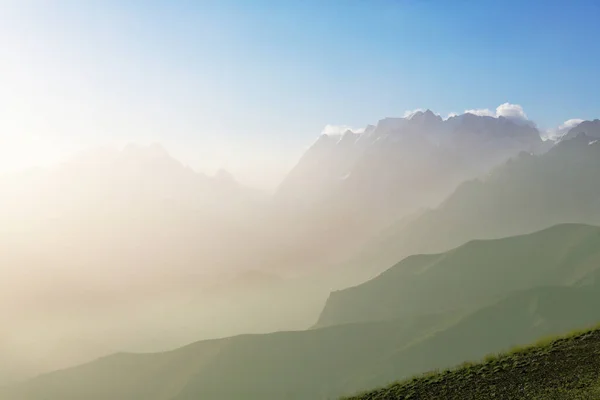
[528, 193]
[328, 362]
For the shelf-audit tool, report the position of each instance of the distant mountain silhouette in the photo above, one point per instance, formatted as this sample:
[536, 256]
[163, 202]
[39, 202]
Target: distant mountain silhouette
[110, 235]
[151, 196]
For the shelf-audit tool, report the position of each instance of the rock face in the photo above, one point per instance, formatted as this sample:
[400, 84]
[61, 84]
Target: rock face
[357, 183]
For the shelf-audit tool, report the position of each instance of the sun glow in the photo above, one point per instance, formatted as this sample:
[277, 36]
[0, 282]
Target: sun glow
[23, 152]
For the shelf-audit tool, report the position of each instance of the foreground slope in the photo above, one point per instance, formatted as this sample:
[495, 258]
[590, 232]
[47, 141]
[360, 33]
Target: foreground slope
[518, 319]
[566, 368]
[474, 274]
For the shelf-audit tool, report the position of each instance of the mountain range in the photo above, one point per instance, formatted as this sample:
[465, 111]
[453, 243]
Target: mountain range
[353, 185]
[414, 189]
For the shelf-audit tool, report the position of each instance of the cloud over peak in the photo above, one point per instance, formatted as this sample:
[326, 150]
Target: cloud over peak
[481, 112]
[506, 110]
[563, 128]
[571, 123]
[513, 112]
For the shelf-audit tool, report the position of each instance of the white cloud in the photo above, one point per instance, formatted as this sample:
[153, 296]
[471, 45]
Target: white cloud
[482, 112]
[333, 130]
[511, 111]
[569, 124]
[507, 110]
[563, 128]
[514, 112]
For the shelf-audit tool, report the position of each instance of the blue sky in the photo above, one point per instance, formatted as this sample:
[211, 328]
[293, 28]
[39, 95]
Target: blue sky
[248, 85]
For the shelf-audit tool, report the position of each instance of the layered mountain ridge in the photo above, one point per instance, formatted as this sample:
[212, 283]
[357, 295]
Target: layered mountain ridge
[528, 193]
[342, 359]
[368, 181]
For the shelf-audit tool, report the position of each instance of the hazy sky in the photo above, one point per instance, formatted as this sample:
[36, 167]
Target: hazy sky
[248, 85]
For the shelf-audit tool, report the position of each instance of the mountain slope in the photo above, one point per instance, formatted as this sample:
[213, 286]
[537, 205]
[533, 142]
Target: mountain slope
[565, 368]
[526, 194]
[298, 364]
[323, 363]
[518, 319]
[476, 273]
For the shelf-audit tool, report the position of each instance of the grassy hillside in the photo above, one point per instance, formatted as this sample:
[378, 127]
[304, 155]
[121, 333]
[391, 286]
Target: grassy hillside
[566, 368]
[321, 363]
[516, 320]
[294, 365]
[471, 275]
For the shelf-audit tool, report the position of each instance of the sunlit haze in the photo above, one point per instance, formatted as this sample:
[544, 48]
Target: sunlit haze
[299, 200]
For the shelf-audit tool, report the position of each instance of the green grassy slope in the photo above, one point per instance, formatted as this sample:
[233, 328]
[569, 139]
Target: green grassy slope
[516, 320]
[527, 194]
[566, 368]
[310, 364]
[322, 363]
[474, 274]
